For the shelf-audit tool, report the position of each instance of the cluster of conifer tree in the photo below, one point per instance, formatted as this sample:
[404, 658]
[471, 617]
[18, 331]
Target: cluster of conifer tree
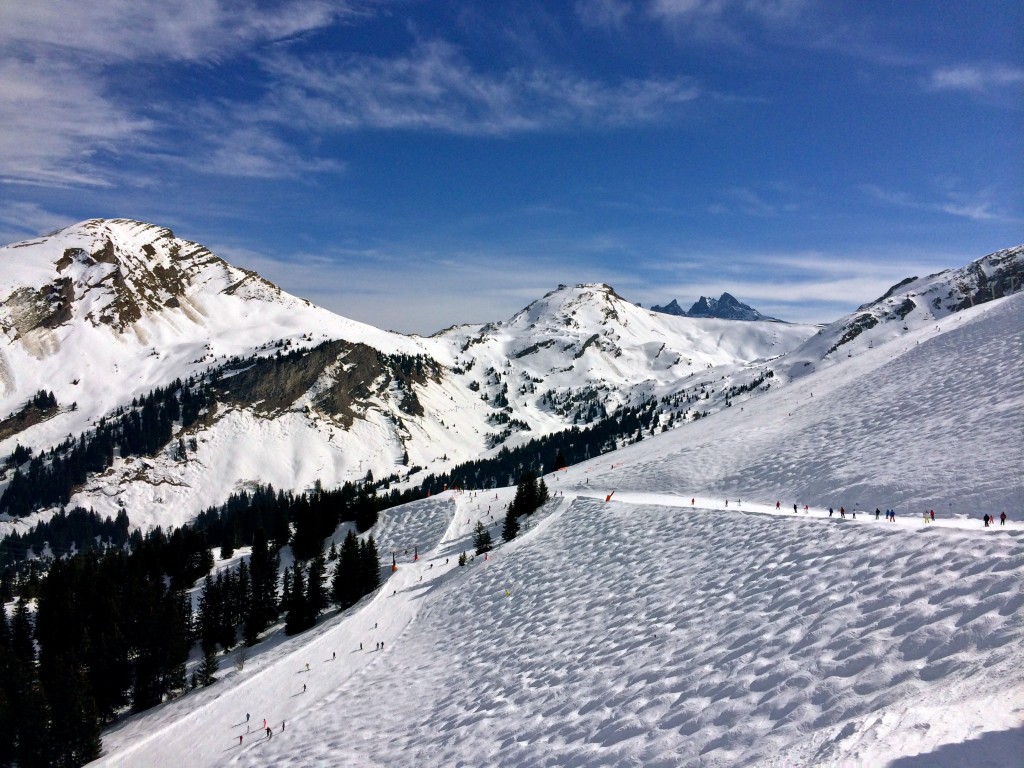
[573, 445]
[144, 428]
[110, 632]
[531, 493]
[114, 628]
[79, 530]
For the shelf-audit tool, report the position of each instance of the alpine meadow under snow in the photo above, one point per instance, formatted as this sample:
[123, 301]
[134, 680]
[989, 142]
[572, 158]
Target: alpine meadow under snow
[686, 599]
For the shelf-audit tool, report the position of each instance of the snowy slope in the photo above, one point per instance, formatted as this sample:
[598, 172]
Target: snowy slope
[687, 621]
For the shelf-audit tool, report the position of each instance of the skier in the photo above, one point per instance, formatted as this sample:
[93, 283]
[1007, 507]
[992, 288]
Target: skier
[878, 512]
[247, 717]
[334, 654]
[303, 687]
[282, 725]
[307, 666]
[1002, 518]
[931, 514]
[842, 512]
[986, 519]
[778, 504]
[270, 733]
[360, 646]
[239, 741]
[830, 511]
[794, 509]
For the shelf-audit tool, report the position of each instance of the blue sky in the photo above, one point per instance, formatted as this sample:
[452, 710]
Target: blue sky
[416, 164]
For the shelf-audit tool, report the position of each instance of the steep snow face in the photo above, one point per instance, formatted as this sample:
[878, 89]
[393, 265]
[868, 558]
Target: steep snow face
[913, 304]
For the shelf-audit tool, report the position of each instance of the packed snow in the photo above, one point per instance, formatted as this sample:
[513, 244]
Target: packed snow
[669, 607]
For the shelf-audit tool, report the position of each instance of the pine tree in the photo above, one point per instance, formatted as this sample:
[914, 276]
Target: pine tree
[481, 538]
[208, 668]
[369, 567]
[511, 527]
[73, 716]
[297, 618]
[560, 461]
[316, 594]
[345, 585]
[227, 543]
[263, 576]
[525, 500]
[210, 607]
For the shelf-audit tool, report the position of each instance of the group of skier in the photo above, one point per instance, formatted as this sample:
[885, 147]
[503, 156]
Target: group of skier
[890, 514]
[267, 730]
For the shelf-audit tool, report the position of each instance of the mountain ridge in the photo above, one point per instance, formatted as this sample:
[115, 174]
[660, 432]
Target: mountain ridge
[350, 399]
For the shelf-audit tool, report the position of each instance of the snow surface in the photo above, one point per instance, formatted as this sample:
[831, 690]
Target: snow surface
[687, 621]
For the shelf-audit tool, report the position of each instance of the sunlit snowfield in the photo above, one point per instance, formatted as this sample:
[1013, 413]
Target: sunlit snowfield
[656, 630]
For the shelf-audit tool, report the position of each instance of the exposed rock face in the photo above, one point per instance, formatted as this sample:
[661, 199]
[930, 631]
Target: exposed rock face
[728, 307]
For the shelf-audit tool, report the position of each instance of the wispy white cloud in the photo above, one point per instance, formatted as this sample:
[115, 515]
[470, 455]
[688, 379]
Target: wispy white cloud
[976, 78]
[147, 30]
[977, 207]
[729, 22]
[56, 119]
[69, 120]
[436, 88]
[255, 152]
[23, 220]
[753, 202]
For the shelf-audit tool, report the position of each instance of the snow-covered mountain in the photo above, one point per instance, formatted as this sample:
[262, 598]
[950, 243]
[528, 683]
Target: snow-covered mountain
[727, 307]
[695, 619]
[106, 311]
[914, 304]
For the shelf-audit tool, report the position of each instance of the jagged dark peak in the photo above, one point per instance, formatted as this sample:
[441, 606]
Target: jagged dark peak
[727, 307]
[672, 308]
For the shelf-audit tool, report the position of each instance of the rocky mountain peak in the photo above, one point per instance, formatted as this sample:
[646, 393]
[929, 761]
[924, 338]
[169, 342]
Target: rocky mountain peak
[727, 307]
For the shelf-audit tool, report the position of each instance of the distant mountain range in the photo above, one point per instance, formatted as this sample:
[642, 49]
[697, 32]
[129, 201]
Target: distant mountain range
[728, 307]
[103, 313]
